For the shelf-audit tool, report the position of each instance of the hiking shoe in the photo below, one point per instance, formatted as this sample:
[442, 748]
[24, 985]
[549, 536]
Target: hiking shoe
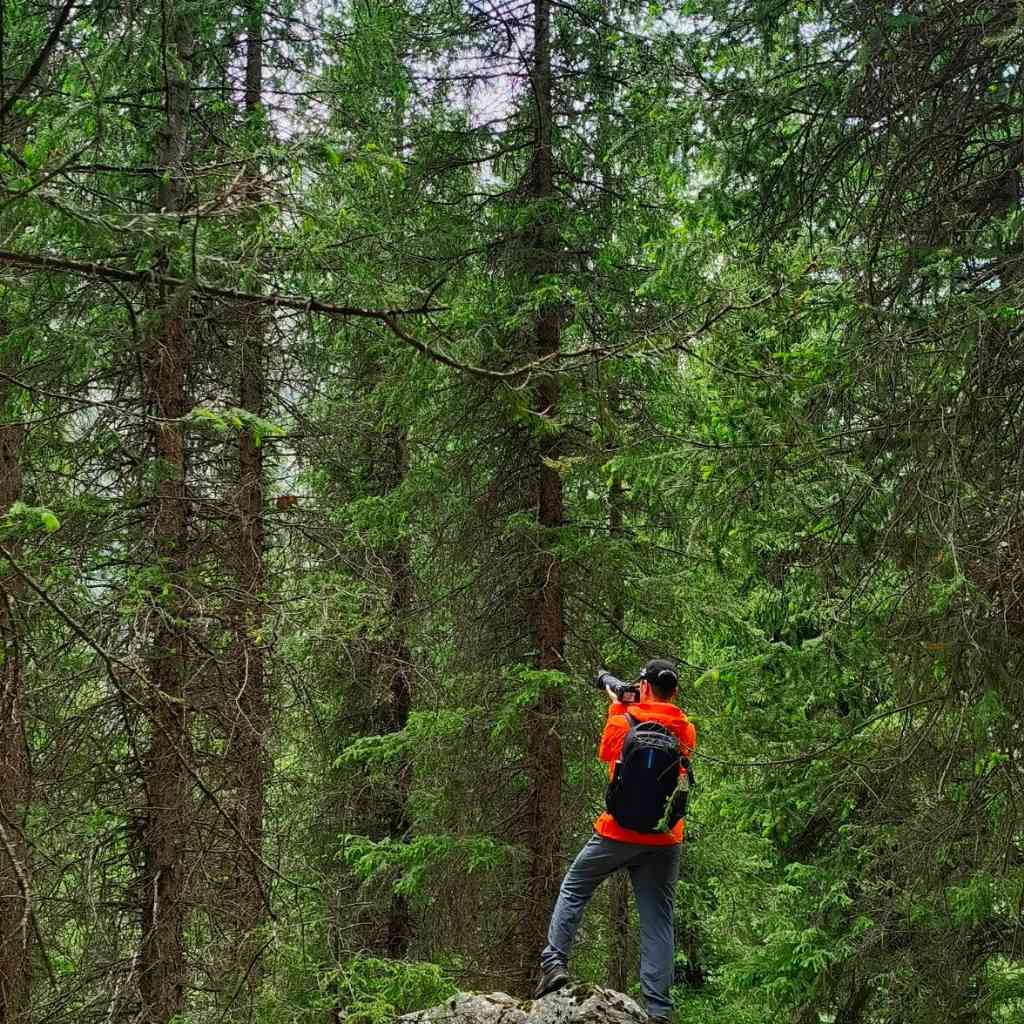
[551, 980]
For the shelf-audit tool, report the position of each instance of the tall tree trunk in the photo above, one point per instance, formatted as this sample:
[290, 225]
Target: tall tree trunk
[15, 963]
[162, 966]
[247, 754]
[544, 745]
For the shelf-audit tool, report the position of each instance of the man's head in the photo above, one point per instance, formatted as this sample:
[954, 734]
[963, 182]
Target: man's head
[661, 677]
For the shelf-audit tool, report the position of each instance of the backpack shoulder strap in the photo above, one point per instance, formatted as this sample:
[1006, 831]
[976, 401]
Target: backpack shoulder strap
[628, 740]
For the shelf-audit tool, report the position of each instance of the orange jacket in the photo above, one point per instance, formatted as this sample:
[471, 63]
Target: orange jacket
[612, 738]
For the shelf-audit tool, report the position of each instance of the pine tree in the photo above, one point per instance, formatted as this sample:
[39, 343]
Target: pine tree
[167, 785]
[16, 938]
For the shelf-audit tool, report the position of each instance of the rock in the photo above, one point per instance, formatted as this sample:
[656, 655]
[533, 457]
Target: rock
[472, 1008]
[574, 1004]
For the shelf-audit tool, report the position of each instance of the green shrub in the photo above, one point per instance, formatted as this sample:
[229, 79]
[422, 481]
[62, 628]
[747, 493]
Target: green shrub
[375, 991]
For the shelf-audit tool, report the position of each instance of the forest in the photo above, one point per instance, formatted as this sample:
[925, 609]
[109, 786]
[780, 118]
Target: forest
[371, 371]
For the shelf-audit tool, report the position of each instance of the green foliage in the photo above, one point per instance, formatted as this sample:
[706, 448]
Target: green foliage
[233, 420]
[371, 990]
[526, 687]
[376, 991]
[414, 863]
[21, 517]
[783, 250]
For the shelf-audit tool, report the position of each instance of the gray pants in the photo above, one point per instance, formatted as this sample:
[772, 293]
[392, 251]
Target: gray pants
[653, 871]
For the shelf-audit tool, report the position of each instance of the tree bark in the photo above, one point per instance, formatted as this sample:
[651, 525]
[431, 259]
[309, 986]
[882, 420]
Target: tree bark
[166, 817]
[248, 754]
[15, 783]
[544, 744]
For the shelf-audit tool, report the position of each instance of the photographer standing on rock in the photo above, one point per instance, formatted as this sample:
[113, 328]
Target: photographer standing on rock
[647, 743]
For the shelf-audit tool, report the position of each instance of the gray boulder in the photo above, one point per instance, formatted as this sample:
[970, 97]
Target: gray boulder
[574, 1004]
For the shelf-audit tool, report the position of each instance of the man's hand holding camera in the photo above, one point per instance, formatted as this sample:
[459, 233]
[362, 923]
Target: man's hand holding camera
[617, 690]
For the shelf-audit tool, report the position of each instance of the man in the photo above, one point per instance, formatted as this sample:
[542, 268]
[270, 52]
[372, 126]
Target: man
[651, 857]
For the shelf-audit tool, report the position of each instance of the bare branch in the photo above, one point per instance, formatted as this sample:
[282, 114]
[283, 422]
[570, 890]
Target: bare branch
[298, 302]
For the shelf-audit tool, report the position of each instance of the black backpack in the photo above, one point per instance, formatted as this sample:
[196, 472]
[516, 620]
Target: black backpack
[646, 777]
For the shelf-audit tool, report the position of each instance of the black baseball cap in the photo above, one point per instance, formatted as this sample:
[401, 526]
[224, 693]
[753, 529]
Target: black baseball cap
[661, 672]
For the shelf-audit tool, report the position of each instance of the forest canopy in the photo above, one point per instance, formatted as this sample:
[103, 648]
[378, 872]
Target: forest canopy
[371, 371]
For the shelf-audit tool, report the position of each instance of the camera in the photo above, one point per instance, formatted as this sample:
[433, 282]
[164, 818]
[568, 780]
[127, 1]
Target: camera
[625, 693]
